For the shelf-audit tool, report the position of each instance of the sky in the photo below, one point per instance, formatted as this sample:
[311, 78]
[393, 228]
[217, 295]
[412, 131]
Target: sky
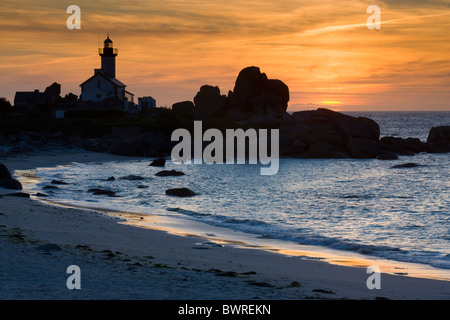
[323, 50]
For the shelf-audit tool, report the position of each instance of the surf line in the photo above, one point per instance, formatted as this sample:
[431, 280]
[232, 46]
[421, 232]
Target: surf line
[235, 140]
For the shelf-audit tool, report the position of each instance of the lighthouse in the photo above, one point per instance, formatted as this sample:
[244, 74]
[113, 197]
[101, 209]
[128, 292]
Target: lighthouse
[104, 85]
[108, 54]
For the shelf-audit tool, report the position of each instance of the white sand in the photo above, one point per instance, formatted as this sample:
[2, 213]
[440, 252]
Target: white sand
[145, 263]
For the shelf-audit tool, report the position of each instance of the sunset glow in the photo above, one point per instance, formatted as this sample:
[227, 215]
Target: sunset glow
[330, 102]
[322, 50]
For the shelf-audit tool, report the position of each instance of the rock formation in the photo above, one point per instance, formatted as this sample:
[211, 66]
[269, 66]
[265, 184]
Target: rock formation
[327, 134]
[7, 181]
[209, 103]
[180, 192]
[169, 173]
[259, 102]
[438, 140]
[256, 101]
[160, 162]
[254, 92]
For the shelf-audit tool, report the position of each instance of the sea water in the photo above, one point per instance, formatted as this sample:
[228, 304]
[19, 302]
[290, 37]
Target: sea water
[366, 206]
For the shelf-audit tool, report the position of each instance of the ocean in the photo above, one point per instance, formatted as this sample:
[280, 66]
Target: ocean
[362, 206]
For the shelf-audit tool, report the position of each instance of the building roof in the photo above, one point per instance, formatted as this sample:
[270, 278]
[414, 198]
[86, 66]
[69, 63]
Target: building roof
[34, 97]
[101, 74]
[25, 97]
[147, 98]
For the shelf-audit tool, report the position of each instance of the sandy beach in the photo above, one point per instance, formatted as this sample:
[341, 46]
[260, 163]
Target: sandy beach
[124, 256]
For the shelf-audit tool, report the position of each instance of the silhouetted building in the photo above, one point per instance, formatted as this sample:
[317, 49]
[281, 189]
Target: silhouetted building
[145, 103]
[68, 103]
[104, 84]
[32, 100]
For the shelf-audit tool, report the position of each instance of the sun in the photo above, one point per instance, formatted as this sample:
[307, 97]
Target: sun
[330, 102]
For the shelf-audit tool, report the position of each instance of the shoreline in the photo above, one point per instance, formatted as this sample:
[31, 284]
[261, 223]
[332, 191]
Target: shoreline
[215, 235]
[279, 268]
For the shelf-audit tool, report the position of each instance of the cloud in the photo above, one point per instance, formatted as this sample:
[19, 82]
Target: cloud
[168, 49]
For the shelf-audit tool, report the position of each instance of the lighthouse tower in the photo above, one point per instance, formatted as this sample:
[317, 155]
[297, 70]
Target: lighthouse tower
[104, 85]
[108, 54]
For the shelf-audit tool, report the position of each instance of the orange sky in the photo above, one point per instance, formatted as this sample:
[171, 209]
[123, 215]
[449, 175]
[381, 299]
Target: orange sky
[322, 50]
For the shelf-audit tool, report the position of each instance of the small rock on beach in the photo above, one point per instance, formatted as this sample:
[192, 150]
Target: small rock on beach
[7, 181]
[98, 192]
[180, 192]
[160, 162]
[171, 173]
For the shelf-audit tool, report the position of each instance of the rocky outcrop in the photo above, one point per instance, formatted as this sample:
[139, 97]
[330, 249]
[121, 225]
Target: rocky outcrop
[7, 181]
[128, 141]
[402, 146]
[153, 144]
[438, 140]
[254, 97]
[19, 195]
[330, 122]
[209, 103]
[439, 134]
[254, 92]
[160, 162]
[259, 102]
[27, 142]
[184, 109]
[327, 134]
[4, 172]
[255, 102]
[12, 184]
